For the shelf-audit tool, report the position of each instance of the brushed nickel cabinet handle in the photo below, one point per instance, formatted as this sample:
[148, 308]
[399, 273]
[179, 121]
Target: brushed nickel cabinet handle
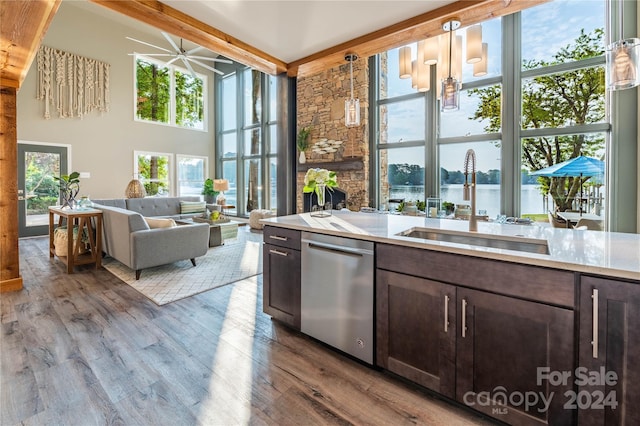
[276, 237]
[446, 313]
[464, 317]
[594, 333]
[278, 252]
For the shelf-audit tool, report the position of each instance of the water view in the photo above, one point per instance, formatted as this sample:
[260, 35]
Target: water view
[488, 197]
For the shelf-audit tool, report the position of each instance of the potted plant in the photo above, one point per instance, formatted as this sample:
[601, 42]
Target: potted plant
[69, 188]
[303, 143]
[448, 207]
[208, 191]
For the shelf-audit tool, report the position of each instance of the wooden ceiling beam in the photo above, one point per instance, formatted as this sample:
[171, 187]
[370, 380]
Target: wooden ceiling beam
[171, 20]
[420, 27]
[24, 24]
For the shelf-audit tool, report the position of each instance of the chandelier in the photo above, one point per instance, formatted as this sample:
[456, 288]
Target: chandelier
[445, 53]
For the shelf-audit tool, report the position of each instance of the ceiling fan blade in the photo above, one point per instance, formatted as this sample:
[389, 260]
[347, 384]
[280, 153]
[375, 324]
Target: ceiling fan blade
[150, 45]
[173, 60]
[206, 58]
[171, 42]
[193, 73]
[152, 54]
[206, 66]
[194, 50]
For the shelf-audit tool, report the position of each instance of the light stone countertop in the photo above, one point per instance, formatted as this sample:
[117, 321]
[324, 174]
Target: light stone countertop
[613, 254]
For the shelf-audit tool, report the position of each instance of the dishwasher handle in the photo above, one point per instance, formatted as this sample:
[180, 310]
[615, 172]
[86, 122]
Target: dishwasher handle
[340, 249]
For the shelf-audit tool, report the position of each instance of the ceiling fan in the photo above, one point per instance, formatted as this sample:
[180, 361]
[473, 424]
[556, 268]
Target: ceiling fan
[186, 56]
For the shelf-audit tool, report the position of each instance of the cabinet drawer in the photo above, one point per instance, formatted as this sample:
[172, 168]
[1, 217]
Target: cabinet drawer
[511, 279]
[282, 237]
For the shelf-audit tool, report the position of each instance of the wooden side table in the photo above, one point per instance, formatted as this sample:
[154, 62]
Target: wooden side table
[81, 219]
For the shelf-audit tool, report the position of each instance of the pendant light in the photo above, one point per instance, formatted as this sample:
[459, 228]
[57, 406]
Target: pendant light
[450, 92]
[623, 59]
[351, 105]
[405, 62]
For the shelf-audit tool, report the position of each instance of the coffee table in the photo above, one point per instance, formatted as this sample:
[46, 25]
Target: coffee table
[218, 232]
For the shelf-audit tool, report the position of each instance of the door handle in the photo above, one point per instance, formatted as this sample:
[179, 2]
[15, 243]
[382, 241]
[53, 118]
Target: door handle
[594, 332]
[464, 317]
[446, 313]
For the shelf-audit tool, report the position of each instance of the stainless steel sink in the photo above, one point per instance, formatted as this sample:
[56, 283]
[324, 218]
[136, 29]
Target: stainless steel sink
[530, 245]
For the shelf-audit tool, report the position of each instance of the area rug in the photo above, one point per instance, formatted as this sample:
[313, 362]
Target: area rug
[235, 260]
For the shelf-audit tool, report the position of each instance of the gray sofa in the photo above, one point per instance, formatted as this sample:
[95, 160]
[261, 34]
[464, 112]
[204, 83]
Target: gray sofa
[129, 239]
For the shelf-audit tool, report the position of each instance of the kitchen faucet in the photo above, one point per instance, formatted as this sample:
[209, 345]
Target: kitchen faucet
[470, 157]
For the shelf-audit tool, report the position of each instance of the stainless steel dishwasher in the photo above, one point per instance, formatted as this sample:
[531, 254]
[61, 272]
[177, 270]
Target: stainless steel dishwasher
[337, 293]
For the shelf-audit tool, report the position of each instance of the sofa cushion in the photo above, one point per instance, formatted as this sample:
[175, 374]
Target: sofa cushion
[158, 206]
[192, 207]
[160, 223]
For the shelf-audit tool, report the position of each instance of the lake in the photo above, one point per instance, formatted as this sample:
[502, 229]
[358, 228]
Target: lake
[488, 197]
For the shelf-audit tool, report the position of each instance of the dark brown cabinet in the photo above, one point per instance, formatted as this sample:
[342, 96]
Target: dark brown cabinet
[415, 330]
[281, 275]
[609, 352]
[506, 348]
[489, 339]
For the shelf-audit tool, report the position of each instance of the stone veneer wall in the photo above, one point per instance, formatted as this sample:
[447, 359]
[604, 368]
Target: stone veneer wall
[320, 104]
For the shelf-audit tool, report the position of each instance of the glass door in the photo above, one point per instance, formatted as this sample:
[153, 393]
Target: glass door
[37, 189]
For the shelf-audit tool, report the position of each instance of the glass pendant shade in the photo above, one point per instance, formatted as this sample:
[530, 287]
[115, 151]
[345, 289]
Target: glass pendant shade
[352, 112]
[474, 44]
[414, 74]
[480, 68]
[431, 51]
[404, 58]
[450, 95]
[351, 105]
[623, 64]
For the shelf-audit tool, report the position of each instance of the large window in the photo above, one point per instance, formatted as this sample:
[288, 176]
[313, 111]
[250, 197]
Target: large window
[169, 95]
[153, 169]
[549, 110]
[192, 171]
[246, 101]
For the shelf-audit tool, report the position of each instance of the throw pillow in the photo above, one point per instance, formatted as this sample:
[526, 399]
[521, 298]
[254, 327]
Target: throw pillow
[189, 207]
[160, 223]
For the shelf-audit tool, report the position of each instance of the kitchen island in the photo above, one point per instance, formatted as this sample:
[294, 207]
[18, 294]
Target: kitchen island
[509, 320]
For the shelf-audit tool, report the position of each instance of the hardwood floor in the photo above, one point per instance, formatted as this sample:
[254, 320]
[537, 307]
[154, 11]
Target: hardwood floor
[88, 349]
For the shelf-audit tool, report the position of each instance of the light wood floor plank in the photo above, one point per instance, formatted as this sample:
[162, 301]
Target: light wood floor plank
[88, 349]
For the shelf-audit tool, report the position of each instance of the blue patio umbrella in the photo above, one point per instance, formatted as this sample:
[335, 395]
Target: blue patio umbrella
[576, 167]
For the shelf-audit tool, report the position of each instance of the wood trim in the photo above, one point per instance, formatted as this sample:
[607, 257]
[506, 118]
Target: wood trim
[168, 19]
[13, 284]
[9, 255]
[423, 26]
[355, 163]
[24, 24]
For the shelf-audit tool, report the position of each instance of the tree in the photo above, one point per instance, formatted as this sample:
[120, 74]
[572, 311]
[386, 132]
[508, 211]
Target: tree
[551, 101]
[252, 189]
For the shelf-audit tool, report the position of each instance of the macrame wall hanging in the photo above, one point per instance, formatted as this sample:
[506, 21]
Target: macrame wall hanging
[75, 85]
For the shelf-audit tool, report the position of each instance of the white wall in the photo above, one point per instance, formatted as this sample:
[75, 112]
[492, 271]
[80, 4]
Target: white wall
[103, 144]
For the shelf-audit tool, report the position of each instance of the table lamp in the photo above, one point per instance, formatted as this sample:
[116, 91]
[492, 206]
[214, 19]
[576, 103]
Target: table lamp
[220, 185]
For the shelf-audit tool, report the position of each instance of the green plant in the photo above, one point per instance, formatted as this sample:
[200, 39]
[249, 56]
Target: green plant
[207, 189]
[448, 207]
[69, 188]
[421, 205]
[303, 138]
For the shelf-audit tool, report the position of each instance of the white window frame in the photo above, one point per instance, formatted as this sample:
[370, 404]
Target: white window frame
[172, 94]
[170, 168]
[205, 170]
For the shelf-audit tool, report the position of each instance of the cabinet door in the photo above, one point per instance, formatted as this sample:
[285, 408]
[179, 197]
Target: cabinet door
[609, 352]
[503, 343]
[281, 284]
[416, 323]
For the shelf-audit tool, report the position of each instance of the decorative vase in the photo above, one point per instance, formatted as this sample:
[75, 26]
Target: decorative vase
[302, 158]
[322, 209]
